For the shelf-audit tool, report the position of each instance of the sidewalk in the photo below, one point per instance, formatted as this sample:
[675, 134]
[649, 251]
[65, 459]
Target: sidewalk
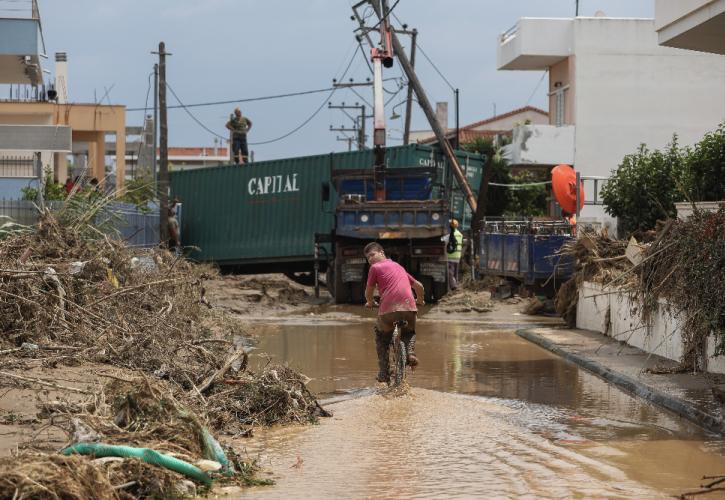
[687, 395]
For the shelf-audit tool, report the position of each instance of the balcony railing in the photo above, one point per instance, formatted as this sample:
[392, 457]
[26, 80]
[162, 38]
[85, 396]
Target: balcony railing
[508, 34]
[16, 166]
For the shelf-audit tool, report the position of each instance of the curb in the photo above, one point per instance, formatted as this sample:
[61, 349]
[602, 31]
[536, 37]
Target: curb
[632, 386]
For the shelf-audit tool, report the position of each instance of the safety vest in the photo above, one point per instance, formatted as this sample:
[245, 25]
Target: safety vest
[456, 256]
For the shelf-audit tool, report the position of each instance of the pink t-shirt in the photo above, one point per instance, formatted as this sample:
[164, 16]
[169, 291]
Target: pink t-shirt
[394, 284]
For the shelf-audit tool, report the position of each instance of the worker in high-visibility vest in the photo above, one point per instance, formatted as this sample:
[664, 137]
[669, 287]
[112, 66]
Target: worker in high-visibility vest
[571, 219]
[454, 248]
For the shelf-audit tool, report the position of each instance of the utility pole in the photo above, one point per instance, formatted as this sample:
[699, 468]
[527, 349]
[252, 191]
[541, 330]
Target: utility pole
[163, 148]
[409, 102]
[577, 8]
[348, 140]
[359, 121]
[156, 125]
[458, 124]
[430, 114]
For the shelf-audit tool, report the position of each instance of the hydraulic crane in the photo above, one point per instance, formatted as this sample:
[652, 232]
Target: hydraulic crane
[382, 55]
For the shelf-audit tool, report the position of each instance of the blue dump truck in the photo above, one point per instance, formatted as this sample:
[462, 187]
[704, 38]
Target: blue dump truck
[291, 215]
[526, 252]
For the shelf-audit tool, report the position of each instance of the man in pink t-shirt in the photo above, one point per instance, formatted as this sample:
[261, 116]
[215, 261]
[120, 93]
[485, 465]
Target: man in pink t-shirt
[396, 304]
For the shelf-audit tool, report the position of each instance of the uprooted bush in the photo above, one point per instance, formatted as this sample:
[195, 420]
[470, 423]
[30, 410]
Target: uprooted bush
[681, 270]
[98, 300]
[685, 267]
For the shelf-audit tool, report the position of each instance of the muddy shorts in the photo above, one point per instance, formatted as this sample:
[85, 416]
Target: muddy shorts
[386, 322]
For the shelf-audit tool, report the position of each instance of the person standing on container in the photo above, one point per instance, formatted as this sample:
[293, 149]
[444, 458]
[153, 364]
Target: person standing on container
[239, 126]
[396, 304]
[454, 248]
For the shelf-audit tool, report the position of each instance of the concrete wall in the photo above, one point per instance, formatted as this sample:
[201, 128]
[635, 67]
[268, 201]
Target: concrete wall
[617, 315]
[542, 145]
[629, 90]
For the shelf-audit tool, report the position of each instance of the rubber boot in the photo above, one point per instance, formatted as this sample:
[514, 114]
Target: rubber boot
[382, 345]
[409, 341]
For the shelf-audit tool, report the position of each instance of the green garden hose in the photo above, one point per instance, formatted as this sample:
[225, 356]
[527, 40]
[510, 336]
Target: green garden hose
[146, 454]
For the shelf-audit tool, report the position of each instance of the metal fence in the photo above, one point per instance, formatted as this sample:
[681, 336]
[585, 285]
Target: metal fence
[129, 224]
[16, 166]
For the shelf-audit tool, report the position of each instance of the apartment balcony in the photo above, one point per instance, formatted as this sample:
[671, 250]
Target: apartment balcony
[691, 24]
[535, 44]
[541, 145]
[21, 44]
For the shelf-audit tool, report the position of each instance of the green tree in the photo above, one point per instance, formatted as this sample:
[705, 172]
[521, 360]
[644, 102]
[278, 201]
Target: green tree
[529, 200]
[498, 198]
[703, 176]
[643, 189]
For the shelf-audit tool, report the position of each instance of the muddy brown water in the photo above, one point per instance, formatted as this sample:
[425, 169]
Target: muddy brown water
[488, 415]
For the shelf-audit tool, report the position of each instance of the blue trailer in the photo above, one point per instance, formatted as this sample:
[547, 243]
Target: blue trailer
[525, 251]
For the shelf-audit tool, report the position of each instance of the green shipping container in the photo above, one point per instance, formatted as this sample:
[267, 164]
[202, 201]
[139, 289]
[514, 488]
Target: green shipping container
[269, 211]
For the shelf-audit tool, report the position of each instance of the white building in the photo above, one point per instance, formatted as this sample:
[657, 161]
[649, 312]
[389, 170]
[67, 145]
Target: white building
[691, 24]
[611, 88]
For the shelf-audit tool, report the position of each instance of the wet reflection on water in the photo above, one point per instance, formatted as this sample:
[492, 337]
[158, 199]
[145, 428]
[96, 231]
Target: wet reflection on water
[520, 421]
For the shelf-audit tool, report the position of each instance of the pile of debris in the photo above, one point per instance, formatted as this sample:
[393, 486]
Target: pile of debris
[680, 266]
[598, 259]
[70, 295]
[684, 266]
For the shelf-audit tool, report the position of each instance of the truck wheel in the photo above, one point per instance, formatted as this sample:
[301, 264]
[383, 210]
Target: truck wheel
[439, 290]
[357, 295]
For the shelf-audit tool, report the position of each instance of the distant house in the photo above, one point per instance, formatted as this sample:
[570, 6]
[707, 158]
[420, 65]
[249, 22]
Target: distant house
[490, 127]
[186, 158]
[38, 124]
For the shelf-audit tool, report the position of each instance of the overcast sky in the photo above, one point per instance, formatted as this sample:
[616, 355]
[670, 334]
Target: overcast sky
[235, 49]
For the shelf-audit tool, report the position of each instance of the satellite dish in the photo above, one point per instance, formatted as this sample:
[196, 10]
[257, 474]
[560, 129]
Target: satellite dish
[600, 13]
[563, 184]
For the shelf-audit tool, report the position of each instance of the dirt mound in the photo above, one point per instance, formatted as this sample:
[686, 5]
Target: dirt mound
[463, 300]
[258, 295]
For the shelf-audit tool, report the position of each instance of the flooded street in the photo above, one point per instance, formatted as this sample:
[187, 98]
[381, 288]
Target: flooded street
[489, 414]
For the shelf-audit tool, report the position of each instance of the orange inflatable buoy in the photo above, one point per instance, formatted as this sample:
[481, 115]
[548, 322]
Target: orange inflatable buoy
[563, 183]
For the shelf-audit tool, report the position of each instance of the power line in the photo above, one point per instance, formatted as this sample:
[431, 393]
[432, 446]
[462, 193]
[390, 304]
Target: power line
[536, 88]
[249, 99]
[327, 98]
[418, 47]
[191, 114]
[390, 11]
[308, 120]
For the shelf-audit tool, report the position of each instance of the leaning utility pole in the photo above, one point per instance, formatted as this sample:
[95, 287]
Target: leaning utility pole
[163, 149]
[429, 113]
[409, 101]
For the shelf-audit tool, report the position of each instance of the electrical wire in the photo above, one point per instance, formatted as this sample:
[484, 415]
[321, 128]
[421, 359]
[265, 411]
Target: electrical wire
[171, 89]
[525, 185]
[536, 88]
[418, 47]
[249, 99]
[326, 100]
[390, 11]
